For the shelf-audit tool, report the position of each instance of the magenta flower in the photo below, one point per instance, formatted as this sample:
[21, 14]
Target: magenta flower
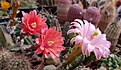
[50, 42]
[91, 38]
[32, 23]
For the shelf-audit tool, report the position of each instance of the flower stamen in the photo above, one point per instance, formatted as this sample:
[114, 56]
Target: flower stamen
[34, 24]
[50, 43]
[95, 34]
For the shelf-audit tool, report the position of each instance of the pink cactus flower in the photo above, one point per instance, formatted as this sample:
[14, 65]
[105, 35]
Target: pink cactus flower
[50, 42]
[32, 23]
[91, 38]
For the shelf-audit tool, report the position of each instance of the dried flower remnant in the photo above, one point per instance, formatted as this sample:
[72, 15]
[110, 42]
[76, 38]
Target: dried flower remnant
[15, 5]
[5, 5]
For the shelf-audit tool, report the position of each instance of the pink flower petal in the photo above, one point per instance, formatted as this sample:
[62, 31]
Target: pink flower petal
[98, 54]
[88, 29]
[101, 48]
[98, 39]
[42, 47]
[78, 39]
[106, 53]
[76, 24]
[19, 25]
[23, 31]
[85, 46]
[79, 21]
[90, 47]
[53, 56]
[73, 31]
[44, 19]
[37, 41]
[38, 51]
[23, 13]
[72, 40]
[46, 53]
[37, 34]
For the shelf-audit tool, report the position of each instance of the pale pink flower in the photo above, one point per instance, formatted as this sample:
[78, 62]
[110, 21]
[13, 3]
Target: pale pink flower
[50, 42]
[91, 38]
[32, 23]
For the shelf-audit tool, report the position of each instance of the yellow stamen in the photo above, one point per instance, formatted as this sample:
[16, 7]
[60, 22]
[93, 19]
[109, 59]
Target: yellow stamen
[34, 24]
[50, 43]
[95, 34]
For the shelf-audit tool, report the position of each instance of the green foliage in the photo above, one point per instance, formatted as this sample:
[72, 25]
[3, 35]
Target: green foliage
[112, 62]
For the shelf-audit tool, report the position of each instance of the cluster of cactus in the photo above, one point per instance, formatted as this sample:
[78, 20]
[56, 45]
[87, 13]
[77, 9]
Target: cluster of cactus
[92, 15]
[3, 62]
[47, 15]
[4, 59]
[47, 2]
[18, 65]
[55, 22]
[51, 20]
[77, 62]
[74, 12]
[62, 10]
[9, 62]
[28, 4]
[107, 16]
[112, 32]
[112, 62]
[64, 33]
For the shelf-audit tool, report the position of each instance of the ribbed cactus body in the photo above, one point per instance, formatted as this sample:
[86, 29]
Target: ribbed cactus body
[47, 2]
[107, 16]
[62, 10]
[94, 3]
[18, 65]
[4, 57]
[55, 22]
[92, 15]
[9, 61]
[75, 12]
[112, 32]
